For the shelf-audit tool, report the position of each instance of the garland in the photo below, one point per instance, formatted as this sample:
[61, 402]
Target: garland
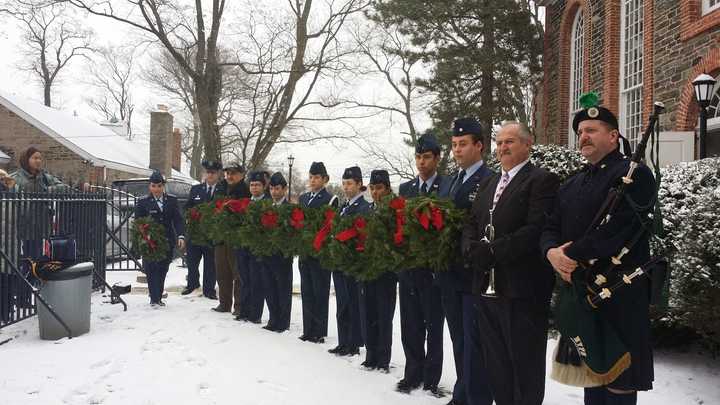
[149, 240]
[196, 228]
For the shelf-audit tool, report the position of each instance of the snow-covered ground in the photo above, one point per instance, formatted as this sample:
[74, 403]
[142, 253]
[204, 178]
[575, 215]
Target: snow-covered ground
[186, 354]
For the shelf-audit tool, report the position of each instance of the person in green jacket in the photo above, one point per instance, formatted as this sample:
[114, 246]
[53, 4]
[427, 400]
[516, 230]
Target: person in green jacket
[32, 178]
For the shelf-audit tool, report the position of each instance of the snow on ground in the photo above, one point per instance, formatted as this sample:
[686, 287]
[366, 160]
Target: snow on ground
[186, 354]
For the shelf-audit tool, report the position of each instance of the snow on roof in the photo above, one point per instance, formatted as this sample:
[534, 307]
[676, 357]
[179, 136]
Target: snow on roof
[88, 139]
[3, 155]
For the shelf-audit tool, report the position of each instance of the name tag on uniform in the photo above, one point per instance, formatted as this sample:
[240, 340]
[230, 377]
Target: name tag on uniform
[197, 197]
[154, 211]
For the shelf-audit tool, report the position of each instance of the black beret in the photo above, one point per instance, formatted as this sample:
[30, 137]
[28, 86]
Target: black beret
[353, 172]
[212, 165]
[257, 176]
[156, 177]
[427, 143]
[595, 113]
[235, 166]
[380, 177]
[277, 179]
[467, 126]
[318, 168]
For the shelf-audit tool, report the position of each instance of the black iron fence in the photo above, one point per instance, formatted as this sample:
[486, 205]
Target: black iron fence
[119, 217]
[28, 218]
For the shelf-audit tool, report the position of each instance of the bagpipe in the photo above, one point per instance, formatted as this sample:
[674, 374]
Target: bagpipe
[590, 352]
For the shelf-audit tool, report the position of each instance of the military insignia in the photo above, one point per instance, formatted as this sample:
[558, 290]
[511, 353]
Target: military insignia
[593, 112]
[460, 129]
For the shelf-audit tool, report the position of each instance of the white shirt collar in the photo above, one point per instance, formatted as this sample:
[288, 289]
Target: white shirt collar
[516, 169]
[352, 200]
[472, 169]
[429, 181]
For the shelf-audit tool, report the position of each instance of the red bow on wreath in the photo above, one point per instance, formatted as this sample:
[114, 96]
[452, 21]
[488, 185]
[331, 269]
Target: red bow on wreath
[435, 216]
[296, 218]
[238, 206]
[219, 205]
[398, 204]
[324, 230]
[195, 215]
[357, 231]
[144, 228]
[269, 219]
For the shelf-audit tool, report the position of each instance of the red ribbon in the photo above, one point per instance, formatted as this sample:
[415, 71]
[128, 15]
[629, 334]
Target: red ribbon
[144, 232]
[238, 206]
[195, 215]
[269, 219]
[296, 218]
[219, 204]
[324, 231]
[432, 214]
[357, 231]
[398, 204]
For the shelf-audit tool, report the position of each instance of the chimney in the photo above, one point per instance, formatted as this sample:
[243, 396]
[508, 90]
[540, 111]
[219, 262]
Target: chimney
[161, 140]
[177, 149]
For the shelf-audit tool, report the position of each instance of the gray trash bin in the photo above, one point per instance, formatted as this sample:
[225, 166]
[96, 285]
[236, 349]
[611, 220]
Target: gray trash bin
[68, 293]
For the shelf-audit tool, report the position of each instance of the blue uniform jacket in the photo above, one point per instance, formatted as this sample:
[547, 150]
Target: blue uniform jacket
[170, 216]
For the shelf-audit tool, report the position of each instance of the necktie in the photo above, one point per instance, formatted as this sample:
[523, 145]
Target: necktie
[344, 207]
[458, 182]
[423, 188]
[461, 177]
[504, 180]
[312, 197]
[210, 191]
[159, 203]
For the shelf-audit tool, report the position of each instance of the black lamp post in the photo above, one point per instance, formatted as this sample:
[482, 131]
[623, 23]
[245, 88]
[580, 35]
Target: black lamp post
[704, 86]
[291, 160]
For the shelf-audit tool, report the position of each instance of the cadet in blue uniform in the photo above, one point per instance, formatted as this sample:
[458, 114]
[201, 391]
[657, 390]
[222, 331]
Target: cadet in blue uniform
[228, 279]
[566, 241]
[378, 297]
[164, 209]
[421, 315]
[314, 279]
[250, 267]
[349, 323]
[278, 274]
[199, 194]
[462, 188]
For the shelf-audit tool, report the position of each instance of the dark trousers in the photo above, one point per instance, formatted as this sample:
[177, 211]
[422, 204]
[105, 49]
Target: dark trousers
[228, 279]
[347, 298]
[601, 396]
[421, 322]
[452, 304]
[512, 334]
[315, 293]
[277, 283]
[207, 254]
[252, 296]
[475, 373]
[155, 273]
[378, 299]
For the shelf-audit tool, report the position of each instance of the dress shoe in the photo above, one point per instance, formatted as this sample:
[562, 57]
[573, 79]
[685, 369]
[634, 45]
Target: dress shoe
[385, 369]
[303, 338]
[316, 340]
[336, 350]
[221, 308]
[211, 296]
[236, 313]
[278, 330]
[188, 290]
[455, 402]
[371, 365]
[349, 351]
[255, 321]
[240, 318]
[405, 386]
[433, 390]
[268, 327]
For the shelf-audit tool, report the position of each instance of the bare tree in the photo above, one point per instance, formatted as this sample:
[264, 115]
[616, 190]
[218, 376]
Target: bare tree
[113, 77]
[52, 37]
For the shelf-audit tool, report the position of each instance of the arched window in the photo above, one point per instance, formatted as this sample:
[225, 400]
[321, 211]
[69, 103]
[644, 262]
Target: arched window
[713, 110]
[577, 53]
[631, 69]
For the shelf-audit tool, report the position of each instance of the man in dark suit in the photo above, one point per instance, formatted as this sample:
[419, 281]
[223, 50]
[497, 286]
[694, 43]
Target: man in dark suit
[228, 279]
[506, 331]
[349, 323]
[164, 209]
[250, 267]
[421, 315]
[462, 189]
[278, 274]
[199, 194]
[314, 279]
[378, 296]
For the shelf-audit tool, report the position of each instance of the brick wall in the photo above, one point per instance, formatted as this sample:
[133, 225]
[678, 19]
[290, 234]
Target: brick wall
[679, 44]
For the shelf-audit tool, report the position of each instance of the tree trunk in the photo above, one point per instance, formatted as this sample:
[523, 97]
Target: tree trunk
[487, 85]
[46, 93]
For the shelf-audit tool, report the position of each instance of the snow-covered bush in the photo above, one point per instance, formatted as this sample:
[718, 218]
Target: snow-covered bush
[555, 158]
[690, 202]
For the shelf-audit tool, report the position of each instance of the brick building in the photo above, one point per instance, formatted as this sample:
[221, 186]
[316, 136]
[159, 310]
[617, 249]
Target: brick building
[78, 150]
[633, 52]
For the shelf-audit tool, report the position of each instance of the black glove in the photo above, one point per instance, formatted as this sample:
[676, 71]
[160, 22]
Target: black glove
[480, 254]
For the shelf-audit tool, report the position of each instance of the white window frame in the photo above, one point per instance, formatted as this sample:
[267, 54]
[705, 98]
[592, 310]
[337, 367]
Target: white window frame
[576, 77]
[633, 92]
[714, 119]
[708, 8]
